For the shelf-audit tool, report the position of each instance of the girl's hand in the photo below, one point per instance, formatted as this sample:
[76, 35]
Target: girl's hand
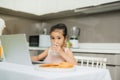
[57, 49]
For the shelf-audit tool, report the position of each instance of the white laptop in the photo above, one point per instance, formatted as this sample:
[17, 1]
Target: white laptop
[16, 49]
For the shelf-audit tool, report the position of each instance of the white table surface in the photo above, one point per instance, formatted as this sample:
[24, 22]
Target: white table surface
[11, 71]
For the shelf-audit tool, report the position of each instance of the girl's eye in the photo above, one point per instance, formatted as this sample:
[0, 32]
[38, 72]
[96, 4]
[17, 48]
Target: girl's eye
[52, 38]
[59, 38]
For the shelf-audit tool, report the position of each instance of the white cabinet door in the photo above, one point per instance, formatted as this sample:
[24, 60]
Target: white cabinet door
[46, 6]
[63, 5]
[41, 7]
[7, 4]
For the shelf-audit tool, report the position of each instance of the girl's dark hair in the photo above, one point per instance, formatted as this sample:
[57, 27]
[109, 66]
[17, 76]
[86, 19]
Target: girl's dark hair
[60, 26]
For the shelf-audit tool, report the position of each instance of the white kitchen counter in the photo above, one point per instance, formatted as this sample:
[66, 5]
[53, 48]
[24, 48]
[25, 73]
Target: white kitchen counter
[85, 50]
[93, 48]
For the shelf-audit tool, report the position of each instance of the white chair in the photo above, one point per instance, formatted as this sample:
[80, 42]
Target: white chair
[92, 61]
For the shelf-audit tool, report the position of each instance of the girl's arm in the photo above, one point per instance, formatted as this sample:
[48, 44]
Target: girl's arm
[40, 56]
[68, 56]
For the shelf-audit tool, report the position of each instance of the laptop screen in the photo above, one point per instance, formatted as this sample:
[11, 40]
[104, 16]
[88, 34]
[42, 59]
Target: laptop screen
[16, 49]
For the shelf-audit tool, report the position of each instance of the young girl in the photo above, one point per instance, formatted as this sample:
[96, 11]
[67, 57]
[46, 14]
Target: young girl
[57, 52]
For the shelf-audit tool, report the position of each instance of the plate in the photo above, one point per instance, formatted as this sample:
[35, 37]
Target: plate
[37, 67]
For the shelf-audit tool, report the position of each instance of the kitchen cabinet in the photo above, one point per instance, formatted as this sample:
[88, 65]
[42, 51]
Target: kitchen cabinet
[63, 5]
[37, 7]
[113, 63]
[41, 7]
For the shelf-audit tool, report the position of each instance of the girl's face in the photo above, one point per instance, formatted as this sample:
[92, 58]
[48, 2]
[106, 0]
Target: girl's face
[57, 38]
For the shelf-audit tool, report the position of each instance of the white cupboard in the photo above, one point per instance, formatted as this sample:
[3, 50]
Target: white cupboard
[41, 7]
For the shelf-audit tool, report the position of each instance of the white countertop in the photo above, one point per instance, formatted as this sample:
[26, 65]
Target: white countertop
[85, 50]
[93, 48]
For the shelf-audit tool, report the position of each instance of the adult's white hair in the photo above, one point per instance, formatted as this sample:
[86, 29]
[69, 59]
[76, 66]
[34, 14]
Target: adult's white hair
[2, 23]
